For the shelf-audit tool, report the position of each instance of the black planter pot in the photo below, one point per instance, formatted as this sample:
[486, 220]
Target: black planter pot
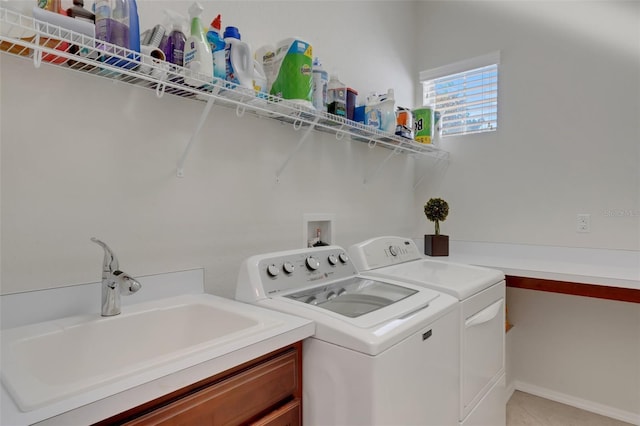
[436, 245]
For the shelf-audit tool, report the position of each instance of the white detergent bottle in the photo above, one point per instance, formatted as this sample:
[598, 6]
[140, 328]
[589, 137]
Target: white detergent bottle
[238, 59]
[197, 52]
[387, 112]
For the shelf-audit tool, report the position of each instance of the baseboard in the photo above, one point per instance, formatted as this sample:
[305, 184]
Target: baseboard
[594, 407]
[508, 392]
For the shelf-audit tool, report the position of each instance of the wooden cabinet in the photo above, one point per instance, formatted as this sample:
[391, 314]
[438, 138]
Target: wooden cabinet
[266, 391]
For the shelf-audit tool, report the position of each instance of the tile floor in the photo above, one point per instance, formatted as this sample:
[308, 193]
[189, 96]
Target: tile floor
[524, 409]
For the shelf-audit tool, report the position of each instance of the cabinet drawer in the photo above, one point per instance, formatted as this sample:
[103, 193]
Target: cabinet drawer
[288, 415]
[235, 399]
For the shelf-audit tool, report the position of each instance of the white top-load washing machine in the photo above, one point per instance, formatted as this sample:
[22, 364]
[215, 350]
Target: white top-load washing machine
[384, 352]
[481, 292]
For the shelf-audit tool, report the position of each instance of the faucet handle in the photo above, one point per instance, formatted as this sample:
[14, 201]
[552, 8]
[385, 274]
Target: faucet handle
[110, 261]
[128, 285]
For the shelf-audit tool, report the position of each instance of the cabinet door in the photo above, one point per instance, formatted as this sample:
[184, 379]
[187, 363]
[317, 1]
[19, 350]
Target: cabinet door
[234, 400]
[288, 415]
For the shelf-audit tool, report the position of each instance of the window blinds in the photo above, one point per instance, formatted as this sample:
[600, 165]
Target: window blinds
[466, 100]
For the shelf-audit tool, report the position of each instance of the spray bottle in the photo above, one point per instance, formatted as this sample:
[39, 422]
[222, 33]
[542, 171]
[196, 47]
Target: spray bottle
[174, 47]
[217, 48]
[197, 54]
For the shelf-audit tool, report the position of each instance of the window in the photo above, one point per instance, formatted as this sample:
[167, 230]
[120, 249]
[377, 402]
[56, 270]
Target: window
[465, 94]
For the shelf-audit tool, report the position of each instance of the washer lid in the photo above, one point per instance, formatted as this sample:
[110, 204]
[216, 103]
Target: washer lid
[458, 280]
[354, 297]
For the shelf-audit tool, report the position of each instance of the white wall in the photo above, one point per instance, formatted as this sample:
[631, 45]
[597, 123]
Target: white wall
[82, 156]
[567, 143]
[568, 128]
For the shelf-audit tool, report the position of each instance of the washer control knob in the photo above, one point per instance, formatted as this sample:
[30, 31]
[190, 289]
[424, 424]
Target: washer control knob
[333, 260]
[312, 263]
[393, 251]
[288, 268]
[343, 257]
[331, 295]
[311, 300]
[273, 270]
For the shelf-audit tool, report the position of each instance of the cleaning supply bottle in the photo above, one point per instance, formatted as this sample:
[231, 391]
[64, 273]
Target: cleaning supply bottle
[78, 11]
[337, 97]
[380, 113]
[217, 48]
[134, 32]
[117, 23]
[320, 86]
[174, 47]
[197, 54]
[239, 63]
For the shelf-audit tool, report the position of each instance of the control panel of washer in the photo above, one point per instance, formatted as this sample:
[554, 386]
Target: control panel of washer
[291, 270]
[383, 251]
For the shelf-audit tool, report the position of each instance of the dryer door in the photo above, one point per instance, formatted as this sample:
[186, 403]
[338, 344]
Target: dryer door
[482, 344]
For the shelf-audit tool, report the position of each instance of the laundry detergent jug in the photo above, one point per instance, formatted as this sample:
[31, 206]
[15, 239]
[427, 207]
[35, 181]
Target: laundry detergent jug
[239, 62]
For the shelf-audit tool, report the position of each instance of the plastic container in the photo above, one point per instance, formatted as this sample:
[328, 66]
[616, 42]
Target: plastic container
[217, 48]
[173, 46]
[379, 111]
[78, 11]
[423, 124]
[239, 63]
[337, 97]
[404, 123]
[117, 23]
[352, 95]
[320, 86]
[198, 59]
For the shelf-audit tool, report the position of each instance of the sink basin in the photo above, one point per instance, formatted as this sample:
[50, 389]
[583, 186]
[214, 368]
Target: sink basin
[44, 363]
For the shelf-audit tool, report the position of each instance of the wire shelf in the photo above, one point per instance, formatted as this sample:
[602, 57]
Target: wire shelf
[42, 42]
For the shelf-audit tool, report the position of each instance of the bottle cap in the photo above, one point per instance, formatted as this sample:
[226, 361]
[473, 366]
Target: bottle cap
[232, 32]
[216, 23]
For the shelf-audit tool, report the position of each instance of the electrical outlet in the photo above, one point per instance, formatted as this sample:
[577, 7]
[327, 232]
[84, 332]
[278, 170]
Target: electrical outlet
[583, 222]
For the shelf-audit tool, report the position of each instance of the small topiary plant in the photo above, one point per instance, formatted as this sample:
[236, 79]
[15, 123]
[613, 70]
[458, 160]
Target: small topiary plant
[436, 211]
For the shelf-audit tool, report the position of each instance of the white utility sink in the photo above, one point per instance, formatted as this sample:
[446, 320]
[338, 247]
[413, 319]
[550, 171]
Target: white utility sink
[50, 361]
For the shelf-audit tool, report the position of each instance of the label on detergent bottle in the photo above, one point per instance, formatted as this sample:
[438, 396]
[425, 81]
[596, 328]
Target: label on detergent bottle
[373, 117]
[229, 73]
[337, 99]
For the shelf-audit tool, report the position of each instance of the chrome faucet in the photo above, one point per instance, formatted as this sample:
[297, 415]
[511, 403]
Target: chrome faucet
[114, 282]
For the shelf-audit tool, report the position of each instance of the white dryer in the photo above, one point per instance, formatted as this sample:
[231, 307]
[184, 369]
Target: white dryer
[384, 352]
[481, 292]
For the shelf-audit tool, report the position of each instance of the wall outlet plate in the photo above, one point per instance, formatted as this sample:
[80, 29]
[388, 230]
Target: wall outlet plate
[583, 222]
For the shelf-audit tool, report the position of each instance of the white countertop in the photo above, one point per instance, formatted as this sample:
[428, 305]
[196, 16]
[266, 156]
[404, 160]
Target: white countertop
[614, 268]
[87, 409]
